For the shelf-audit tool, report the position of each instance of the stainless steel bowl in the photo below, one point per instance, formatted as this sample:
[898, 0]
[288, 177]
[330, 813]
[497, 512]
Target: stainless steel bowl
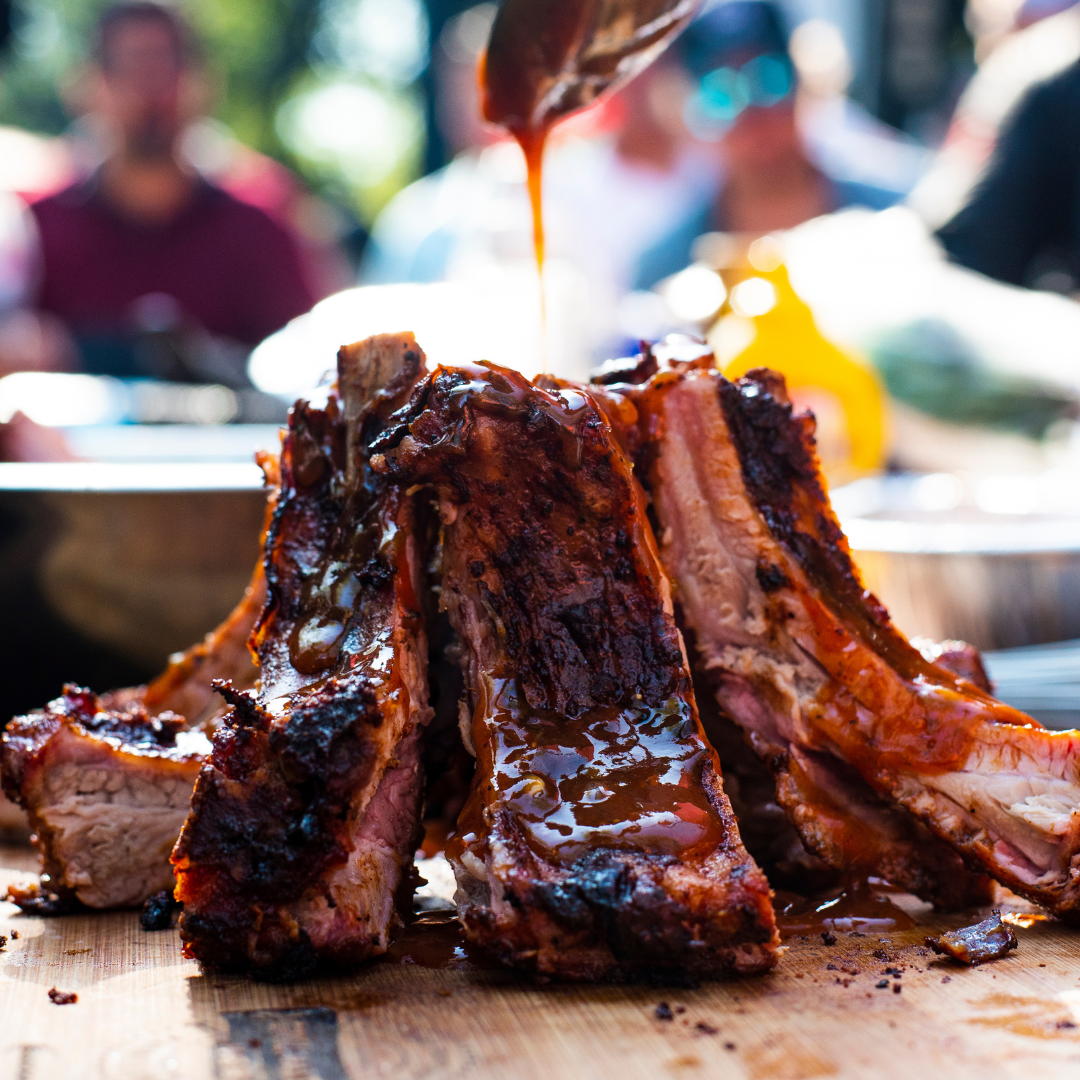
[107, 568]
[993, 560]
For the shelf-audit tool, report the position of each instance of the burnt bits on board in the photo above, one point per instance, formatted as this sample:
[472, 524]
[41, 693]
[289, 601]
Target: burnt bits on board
[990, 939]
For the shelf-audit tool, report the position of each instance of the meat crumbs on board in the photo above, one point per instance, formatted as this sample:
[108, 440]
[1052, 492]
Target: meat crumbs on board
[990, 939]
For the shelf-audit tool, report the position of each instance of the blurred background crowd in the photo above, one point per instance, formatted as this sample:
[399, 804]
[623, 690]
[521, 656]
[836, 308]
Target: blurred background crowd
[201, 201]
[880, 197]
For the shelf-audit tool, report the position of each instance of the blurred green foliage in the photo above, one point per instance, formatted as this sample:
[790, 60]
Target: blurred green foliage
[262, 53]
[259, 48]
[928, 365]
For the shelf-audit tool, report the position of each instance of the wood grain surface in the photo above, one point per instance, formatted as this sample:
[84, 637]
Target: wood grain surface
[144, 1013]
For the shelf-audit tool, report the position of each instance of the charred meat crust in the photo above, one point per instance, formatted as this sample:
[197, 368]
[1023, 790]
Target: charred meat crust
[130, 727]
[618, 914]
[779, 467]
[552, 582]
[990, 939]
[303, 820]
[105, 785]
[267, 820]
[572, 649]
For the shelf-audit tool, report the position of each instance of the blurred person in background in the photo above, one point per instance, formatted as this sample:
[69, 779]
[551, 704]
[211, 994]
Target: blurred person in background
[745, 101]
[1021, 224]
[842, 137]
[415, 237]
[1018, 43]
[153, 270]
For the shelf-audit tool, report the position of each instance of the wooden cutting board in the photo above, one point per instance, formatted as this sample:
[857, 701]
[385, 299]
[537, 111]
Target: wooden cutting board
[144, 1013]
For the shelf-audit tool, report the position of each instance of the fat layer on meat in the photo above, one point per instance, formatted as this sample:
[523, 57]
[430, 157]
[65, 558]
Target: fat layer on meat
[597, 841]
[829, 692]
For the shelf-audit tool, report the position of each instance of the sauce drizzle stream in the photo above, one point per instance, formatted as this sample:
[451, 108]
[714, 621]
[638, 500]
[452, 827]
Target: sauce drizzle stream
[549, 58]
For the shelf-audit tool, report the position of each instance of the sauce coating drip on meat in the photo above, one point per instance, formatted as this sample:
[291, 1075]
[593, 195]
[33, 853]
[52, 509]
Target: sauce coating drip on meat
[596, 841]
[303, 822]
[615, 776]
[547, 58]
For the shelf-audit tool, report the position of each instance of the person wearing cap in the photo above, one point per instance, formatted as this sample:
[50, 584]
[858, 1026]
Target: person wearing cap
[153, 270]
[743, 102]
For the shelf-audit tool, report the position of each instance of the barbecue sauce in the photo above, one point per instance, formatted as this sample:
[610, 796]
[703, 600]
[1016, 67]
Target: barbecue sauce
[436, 939]
[577, 769]
[549, 58]
[617, 777]
[863, 904]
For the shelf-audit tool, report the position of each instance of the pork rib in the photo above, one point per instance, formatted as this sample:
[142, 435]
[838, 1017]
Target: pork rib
[106, 781]
[107, 788]
[303, 822]
[597, 840]
[808, 663]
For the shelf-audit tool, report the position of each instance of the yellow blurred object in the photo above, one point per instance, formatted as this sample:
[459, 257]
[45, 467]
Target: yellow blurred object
[769, 326]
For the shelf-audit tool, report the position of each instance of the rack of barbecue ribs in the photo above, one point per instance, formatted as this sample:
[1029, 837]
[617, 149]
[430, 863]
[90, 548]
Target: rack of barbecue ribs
[875, 748]
[304, 821]
[106, 781]
[597, 842]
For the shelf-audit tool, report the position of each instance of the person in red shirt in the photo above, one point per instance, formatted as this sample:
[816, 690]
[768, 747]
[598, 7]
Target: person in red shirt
[155, 271]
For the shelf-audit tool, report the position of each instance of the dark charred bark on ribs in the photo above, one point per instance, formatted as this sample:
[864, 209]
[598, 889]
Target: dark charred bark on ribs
[118, 719]
[275, 814]
[572, 649]
[267, 817]
[128, 722]
[616, 900]
[551, 582]
[779, 466]
[330, 499]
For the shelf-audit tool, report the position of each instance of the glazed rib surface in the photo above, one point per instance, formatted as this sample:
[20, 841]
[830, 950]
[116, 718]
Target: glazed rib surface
[829, 692]
[597, 841]
[304, 819]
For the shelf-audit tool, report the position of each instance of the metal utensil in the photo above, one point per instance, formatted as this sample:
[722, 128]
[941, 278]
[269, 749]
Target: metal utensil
[949, 561]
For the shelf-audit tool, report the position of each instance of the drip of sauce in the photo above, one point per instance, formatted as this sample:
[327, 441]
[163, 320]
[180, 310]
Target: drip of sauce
[436, 939]
[504, 393]
[436, 831]
[533, 148]
[863, 904]
[616, 777]
[339, 593]
[548, 58]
